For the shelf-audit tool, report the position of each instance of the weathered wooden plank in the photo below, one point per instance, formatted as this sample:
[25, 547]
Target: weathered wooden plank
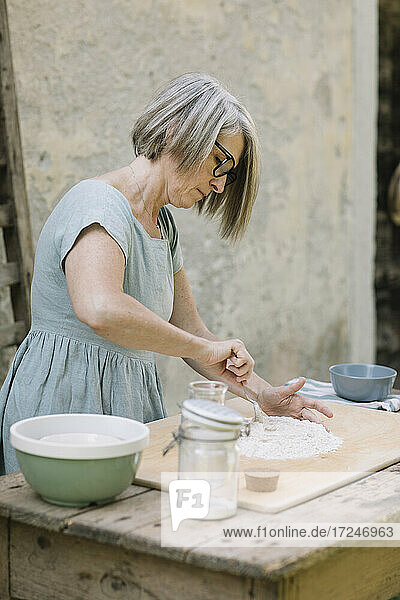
[21, 503]
[20, 250]
[350, 574]
[17, 291]
[296, 571]
[373, 499]
[9, 273]
[128, 525]
[134, 523]
[6, 215]
[47, 565]
[114, 522]
[253, 561]
[12, 334]
[11, 481]
[4, 562]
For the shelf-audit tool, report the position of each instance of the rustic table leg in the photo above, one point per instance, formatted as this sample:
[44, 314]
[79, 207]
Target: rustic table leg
[349, 574]
[53, 566]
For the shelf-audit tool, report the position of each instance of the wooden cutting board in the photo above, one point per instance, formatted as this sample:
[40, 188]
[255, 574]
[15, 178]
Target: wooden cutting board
[371, 441]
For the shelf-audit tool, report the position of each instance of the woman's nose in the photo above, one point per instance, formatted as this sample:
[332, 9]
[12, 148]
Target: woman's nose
[218, 184]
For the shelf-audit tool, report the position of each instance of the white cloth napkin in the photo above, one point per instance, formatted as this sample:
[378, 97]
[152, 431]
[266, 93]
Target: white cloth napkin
[324, 391]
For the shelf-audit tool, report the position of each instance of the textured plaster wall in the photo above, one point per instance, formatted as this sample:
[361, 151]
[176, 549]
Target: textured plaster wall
[85, 69]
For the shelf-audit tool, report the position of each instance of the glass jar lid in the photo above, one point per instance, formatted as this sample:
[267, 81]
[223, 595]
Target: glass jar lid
[197, 433]
[211, 414]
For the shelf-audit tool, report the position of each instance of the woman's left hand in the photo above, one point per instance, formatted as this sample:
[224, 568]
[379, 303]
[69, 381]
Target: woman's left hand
[284, 401]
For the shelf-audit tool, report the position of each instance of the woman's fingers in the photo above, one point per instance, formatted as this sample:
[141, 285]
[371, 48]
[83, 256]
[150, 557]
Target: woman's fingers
[308, 415]
[242, 374]
[288, 390]
[238, 361]
[317, 405]
[239, 370]
[232, 356]
[229, 363]
[239, 350]
[243, 362]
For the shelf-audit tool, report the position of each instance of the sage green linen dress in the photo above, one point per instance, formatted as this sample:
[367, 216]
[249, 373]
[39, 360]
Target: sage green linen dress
[62, 366]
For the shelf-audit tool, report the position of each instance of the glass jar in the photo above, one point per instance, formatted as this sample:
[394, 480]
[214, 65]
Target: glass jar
[208, 390]
[207, 450]
[212, 455]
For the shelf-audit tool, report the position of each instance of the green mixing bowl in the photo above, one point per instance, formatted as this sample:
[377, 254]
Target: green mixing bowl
[79, 459]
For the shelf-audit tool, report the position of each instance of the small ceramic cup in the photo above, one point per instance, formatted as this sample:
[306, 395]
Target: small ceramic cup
[261, 480]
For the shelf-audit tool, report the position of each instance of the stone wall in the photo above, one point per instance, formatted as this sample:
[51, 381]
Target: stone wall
[388, 234]
[84, 70]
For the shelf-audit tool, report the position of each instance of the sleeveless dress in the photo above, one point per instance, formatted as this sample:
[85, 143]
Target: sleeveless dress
[62, 366]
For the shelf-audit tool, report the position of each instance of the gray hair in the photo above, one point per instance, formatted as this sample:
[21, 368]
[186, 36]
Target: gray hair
[184, 119]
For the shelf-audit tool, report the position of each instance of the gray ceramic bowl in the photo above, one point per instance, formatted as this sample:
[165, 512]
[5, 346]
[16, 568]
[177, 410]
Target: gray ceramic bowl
[362, 382]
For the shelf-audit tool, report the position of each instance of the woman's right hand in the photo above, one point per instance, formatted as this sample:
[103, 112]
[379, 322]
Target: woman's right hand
[227, 359]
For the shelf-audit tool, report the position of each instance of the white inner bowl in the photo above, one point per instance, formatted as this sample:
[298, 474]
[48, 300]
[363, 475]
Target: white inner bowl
[87, 439]
[79, 436]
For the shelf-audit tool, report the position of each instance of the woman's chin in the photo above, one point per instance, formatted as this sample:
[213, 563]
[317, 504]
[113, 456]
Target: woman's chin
[187, 203]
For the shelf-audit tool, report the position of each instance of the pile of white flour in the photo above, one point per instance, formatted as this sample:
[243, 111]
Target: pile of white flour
[285, 437]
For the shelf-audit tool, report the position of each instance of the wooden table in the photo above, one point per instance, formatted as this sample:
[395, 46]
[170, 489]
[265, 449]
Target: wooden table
[95, 553]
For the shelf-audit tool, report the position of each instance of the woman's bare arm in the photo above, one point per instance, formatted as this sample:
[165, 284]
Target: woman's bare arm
[283, 400]
[94, 270]
[186, 316]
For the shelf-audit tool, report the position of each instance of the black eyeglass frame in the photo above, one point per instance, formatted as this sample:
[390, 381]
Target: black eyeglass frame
[230, 175]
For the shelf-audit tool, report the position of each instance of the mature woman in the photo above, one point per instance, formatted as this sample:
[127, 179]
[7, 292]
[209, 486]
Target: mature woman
[109, 288]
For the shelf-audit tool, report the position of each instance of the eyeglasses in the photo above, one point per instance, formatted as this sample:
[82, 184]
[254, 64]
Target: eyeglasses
[226, 166]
